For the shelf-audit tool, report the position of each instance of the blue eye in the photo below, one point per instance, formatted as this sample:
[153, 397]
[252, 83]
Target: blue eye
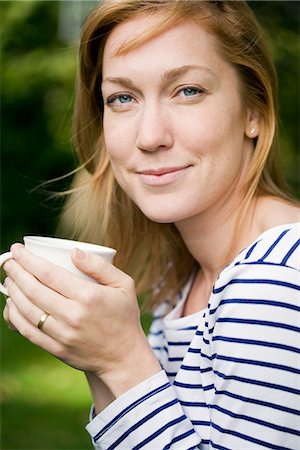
[190, 91]
[119, 99]
[124, 98]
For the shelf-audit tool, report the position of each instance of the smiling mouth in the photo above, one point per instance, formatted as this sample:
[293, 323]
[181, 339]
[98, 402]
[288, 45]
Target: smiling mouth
[162, 171]
[162, 176]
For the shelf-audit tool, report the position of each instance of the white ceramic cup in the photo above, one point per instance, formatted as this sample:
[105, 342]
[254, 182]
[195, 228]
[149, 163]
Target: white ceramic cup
[58, 251]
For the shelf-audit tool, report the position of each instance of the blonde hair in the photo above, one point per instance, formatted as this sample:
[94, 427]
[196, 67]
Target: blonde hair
[98, 210]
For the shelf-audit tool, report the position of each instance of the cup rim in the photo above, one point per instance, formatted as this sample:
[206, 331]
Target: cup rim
[53, 241]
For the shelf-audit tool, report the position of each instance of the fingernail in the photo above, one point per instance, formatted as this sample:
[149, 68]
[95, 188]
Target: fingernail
[7, 265]
[80, 254]
[16, 249]
[16, 253]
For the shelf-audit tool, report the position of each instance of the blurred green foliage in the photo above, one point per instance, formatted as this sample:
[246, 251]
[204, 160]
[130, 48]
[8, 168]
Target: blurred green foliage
[38, 73]
[45, 404]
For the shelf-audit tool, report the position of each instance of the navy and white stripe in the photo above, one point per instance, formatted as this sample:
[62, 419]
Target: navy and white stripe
[230, 374]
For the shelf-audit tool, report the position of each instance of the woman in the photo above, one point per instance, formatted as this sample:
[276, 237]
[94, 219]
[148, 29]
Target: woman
[175, 126]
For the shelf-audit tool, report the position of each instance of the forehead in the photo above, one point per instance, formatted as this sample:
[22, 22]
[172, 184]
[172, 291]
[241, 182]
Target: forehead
[185, 42]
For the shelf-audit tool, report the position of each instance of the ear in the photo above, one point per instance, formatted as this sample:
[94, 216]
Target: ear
[252, 126]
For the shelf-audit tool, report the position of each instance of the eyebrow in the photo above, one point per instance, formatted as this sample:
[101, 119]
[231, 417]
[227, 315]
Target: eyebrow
[177, 72]
[123, 81]
[168, 76]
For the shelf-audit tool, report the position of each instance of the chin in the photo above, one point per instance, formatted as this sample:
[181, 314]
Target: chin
[162, 215]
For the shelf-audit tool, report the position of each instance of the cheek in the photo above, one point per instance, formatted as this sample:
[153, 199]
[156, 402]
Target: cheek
[118, 152]
[217, 133]
[117, 166]
[204, 128]
[119, 138]
[204, 140]
[115, 147]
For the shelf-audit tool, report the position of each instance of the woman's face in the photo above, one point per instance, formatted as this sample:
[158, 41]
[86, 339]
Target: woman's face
[174, 126]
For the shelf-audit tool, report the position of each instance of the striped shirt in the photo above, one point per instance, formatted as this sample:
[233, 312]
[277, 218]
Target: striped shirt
[230, 373]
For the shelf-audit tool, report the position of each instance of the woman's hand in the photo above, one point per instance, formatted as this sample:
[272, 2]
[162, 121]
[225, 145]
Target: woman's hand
[93, 327]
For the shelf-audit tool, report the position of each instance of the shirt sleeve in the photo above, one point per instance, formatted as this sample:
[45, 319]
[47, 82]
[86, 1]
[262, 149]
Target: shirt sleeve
[251, 343]
[148, 416]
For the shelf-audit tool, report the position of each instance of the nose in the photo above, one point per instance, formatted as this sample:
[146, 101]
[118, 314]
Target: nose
[154, 128]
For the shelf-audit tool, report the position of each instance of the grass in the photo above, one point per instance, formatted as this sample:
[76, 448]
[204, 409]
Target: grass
[44, 403]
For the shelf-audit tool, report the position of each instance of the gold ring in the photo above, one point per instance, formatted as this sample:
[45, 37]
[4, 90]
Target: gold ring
[42, 320]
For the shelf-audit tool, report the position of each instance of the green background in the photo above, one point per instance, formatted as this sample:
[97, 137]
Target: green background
[44, 404]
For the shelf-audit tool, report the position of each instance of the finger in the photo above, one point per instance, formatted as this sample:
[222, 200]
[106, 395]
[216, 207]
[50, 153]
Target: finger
[49, 274]
[101, 270]
[22, 286]
[26, 308]
[6, 317]
[31, 312]
[31, 332]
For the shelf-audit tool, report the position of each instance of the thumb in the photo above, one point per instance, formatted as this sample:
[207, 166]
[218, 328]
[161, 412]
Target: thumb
[98, 268]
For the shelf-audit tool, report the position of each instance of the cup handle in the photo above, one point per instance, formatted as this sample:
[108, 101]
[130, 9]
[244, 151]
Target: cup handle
[4, 257]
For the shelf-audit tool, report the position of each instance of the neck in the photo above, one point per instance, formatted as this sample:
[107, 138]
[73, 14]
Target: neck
[210, 236]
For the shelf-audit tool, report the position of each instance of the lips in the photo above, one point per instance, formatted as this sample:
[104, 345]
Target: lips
[162, 171]
[162, 176]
